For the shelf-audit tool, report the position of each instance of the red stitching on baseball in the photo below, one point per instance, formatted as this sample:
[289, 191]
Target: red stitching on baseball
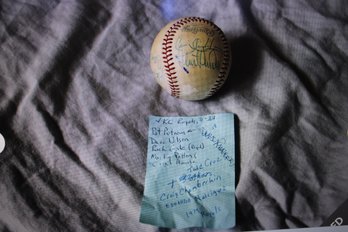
[168, 56]
[224, 67]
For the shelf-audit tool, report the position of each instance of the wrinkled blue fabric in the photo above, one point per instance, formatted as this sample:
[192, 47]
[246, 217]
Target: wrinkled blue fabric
[76, 90]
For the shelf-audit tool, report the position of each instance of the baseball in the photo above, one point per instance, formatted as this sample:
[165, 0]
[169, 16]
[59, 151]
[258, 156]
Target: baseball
[190, 58]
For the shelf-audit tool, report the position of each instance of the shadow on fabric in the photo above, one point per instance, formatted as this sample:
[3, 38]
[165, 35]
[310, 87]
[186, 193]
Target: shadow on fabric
[246, 52]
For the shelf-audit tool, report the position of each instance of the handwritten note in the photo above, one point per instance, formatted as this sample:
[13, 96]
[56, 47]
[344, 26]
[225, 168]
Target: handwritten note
[190, 178]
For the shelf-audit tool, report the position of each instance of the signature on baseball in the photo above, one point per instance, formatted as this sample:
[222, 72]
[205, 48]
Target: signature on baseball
[195, 29]
[198, 53]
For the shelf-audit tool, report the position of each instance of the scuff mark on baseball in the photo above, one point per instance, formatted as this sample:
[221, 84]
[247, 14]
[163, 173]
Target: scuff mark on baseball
[190, 58]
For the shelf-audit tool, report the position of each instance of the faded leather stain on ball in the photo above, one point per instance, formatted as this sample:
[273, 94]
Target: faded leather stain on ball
[190, 58]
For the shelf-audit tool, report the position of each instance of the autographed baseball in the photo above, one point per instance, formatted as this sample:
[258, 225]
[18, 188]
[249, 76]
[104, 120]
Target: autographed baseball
[190, 58]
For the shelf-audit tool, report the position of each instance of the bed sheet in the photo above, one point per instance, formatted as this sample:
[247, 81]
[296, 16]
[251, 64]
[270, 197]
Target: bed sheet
[76, 91]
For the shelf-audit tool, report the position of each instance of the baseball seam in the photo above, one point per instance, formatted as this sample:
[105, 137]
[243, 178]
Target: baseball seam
[167, 53]
[222, 76]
